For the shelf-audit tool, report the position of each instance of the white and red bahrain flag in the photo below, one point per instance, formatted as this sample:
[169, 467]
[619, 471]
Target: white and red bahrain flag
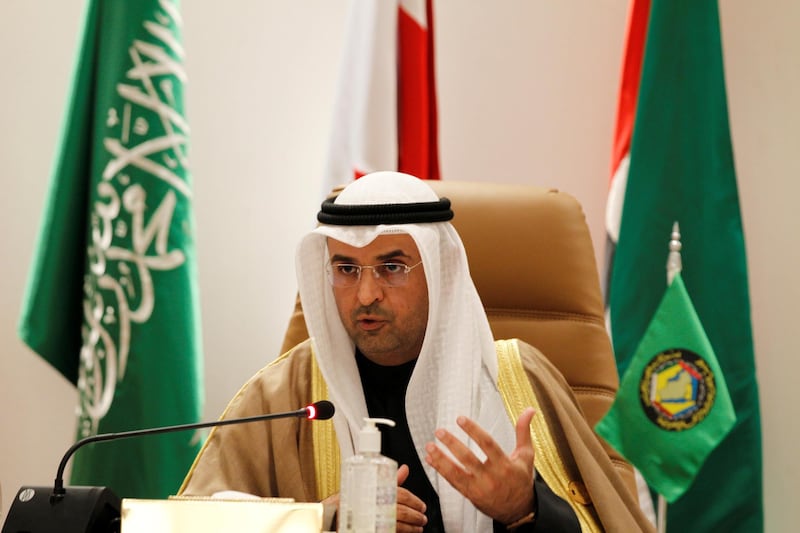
[385, 111]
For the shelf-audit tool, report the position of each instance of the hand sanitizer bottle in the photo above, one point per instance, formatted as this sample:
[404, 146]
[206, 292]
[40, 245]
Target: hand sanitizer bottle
[368, 497]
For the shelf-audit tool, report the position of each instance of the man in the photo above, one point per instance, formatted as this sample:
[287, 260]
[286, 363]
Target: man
[398, 331]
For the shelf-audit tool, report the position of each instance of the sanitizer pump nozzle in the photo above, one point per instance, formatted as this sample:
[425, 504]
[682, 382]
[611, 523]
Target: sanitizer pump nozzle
[369, 438]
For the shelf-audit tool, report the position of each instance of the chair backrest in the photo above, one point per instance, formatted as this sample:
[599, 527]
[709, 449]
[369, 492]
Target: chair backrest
[532, 260]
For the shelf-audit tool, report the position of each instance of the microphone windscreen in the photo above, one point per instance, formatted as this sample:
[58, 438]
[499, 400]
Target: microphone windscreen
[321, 410]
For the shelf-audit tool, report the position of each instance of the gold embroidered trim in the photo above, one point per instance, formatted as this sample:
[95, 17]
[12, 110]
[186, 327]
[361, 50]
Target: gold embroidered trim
[323, 435]
[518, 394]
[224, 414]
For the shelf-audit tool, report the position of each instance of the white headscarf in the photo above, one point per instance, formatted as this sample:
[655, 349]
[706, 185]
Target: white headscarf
[456, 371]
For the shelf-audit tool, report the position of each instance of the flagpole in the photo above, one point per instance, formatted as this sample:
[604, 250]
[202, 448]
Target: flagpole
[662, 514]
[674, 267]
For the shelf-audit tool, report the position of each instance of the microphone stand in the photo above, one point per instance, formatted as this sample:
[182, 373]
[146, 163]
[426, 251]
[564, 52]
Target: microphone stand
[97, 509]
[58, 486]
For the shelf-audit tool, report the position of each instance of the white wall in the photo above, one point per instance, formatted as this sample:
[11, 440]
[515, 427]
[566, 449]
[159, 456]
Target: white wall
[527, 93]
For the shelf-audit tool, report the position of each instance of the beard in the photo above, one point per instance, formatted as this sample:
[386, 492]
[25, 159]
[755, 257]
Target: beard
[385, 339]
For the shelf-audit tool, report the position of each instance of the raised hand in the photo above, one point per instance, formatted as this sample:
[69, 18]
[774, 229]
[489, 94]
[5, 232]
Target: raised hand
[501, 486]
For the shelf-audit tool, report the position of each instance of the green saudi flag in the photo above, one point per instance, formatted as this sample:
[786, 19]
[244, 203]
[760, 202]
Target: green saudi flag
[112, 299]
[681, 168]
[673, 398]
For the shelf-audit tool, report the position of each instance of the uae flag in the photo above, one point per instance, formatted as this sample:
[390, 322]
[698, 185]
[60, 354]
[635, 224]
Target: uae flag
[385, 109]
[112, 300]
[681, 169]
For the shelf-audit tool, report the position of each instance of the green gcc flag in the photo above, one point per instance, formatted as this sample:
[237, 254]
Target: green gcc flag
[672, 407]
[681, 168]
[112, 299]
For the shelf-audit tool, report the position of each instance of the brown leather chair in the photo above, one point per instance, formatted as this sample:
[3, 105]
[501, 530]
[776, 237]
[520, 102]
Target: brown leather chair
[532, 260]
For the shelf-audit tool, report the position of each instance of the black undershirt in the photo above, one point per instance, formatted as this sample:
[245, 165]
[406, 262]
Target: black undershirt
[385, 391]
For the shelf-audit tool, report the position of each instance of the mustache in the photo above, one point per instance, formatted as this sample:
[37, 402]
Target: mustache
[373, 310]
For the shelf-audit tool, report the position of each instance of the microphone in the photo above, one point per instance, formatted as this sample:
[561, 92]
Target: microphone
[321, 410]
[97, 509]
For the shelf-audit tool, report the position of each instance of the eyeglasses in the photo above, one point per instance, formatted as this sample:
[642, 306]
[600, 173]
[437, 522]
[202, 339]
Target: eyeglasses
[386, 274]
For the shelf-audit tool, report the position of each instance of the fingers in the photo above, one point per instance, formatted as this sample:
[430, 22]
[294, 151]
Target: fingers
[402, 474]
[485, 441]
[407, 528]
[458, 476]
[470, 462]
[410, 509]
[333, 499]
[404, 496]
[524, 427]
[330, 507]
[524, 450]
[490, 447]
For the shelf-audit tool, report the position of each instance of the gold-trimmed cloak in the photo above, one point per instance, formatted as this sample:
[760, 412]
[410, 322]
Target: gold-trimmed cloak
[299, 459]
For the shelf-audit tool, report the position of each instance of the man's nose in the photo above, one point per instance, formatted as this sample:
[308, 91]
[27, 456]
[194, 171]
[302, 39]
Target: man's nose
[369, 288]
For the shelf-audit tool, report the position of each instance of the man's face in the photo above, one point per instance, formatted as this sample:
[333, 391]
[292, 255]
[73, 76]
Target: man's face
[386, 323]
